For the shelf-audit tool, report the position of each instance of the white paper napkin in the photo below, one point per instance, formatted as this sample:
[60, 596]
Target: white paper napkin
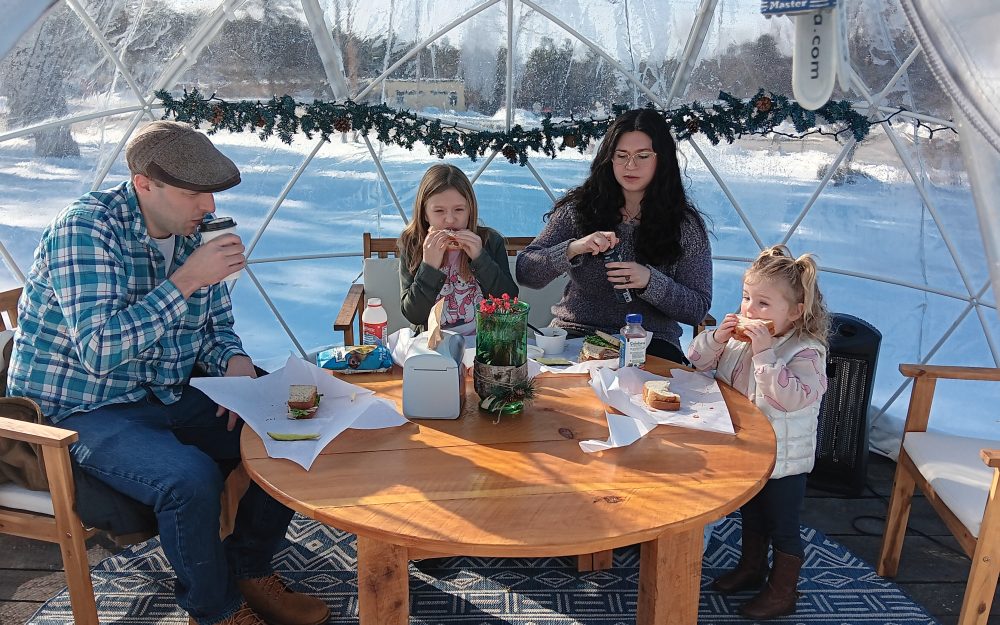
[702, 405]
[262, 403]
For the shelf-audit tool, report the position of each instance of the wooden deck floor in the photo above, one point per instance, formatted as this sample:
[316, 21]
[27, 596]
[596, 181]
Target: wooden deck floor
[933, 569]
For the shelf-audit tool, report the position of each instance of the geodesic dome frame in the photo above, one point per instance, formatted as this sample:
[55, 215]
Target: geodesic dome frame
[953, 45]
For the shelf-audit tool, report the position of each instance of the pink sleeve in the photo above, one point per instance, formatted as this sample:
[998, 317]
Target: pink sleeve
[793, 385]
[704, 351]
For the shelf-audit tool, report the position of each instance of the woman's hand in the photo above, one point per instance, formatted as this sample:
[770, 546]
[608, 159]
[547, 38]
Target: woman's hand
[725, 330]
[594, 243]
[628, 275]
[469, 242]
[435, 245]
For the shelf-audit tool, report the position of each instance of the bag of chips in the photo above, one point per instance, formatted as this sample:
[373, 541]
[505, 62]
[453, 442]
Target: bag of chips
[356, 359]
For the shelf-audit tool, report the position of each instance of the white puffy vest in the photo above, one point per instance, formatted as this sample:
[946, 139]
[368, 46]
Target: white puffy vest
[795, 431]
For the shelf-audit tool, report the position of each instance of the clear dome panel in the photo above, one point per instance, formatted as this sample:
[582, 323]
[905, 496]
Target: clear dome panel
[456, 71]
[307, 293]
[871, 219]
[880, 40]
[266, 50]
[36, 188]
[145, 36]
[743, 52]
[645, 38]
[510, 199]
[58, 71]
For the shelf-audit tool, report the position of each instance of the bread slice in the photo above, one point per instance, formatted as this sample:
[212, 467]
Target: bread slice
[657, 395]
[740, 332]
[303, 401]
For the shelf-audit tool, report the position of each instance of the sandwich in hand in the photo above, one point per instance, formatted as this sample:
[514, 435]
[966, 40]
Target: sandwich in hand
[452, 241]
[740, 331]
[303, 401]
[657, 395]
[600, 346]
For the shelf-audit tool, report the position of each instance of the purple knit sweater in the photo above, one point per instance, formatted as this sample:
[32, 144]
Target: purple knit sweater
[681, 292]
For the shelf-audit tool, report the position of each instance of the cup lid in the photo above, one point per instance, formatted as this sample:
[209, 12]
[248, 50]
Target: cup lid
[218, 223]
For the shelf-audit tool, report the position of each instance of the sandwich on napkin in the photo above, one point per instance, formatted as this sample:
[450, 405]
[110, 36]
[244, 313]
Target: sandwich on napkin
[600, 346]
[303, 401]
[657, 395]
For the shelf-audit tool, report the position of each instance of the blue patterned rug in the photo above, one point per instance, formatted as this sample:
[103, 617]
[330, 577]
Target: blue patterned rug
[136, 586]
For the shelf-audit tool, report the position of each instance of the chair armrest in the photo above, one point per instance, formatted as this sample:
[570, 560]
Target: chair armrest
[991, 457]
[45, 435]
[348, 311]
[950, 373]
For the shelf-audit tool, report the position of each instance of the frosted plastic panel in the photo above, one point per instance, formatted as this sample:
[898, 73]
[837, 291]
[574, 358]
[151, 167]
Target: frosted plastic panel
[57, 71]
[266, 49]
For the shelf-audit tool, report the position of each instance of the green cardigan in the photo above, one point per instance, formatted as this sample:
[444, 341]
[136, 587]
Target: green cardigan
[419, 293]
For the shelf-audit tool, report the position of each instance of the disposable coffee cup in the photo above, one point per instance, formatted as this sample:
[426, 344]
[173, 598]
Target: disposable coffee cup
[214, 228]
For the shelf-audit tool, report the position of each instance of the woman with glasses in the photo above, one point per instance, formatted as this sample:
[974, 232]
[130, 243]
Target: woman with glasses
[631, 207]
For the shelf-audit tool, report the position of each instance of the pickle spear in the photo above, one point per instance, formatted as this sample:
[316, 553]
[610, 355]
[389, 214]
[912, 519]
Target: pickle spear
[284, 436]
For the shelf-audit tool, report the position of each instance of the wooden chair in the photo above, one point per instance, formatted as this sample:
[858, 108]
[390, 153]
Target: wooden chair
[48, 516]
[950, 472]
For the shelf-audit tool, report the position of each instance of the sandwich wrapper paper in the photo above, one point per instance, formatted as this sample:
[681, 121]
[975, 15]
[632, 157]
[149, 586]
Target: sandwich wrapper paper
[702, 405]
[263, 405]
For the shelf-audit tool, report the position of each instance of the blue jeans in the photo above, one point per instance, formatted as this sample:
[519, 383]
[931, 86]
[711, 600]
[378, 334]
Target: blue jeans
[165, 456]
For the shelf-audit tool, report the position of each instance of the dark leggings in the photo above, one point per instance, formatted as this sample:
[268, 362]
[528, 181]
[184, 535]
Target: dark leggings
[774, 512]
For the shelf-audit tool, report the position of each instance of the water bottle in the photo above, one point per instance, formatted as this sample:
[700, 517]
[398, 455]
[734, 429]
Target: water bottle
[614, 255]
[633, 349]
[374, 323]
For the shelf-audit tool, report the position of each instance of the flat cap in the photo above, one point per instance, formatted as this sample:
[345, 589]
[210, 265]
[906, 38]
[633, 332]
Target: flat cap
[180, 156]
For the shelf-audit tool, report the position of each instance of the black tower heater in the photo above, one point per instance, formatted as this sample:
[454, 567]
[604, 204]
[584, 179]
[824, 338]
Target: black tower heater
[842, 435]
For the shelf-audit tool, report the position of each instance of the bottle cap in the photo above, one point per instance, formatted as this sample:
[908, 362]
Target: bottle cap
[374, 301]
[219, 223]
[633, 318]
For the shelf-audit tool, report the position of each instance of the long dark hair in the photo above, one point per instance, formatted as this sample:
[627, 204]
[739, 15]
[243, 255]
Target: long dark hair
[597, 202]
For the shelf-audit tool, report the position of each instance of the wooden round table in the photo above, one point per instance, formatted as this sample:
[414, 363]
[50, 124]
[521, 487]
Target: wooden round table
[524, 488]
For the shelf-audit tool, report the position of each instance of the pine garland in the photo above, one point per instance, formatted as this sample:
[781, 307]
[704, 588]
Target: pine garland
[728, 119]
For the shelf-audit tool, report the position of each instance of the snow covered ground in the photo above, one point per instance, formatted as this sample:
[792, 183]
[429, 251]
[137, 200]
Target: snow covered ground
[876, 226]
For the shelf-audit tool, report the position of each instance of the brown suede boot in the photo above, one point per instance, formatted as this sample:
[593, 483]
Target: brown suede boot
[751, 572]
[278, 605]
[243, 616]
[779, 596]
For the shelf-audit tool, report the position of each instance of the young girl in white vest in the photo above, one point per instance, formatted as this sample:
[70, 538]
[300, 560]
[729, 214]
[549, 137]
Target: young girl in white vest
[784, 374]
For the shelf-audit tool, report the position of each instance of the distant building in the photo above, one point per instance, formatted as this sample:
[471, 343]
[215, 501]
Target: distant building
[416, 94]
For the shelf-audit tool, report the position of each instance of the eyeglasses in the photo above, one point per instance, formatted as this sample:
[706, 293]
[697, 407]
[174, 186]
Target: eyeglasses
[638, 159]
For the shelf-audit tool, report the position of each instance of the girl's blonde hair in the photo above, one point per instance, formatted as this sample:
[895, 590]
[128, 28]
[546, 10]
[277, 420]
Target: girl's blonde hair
[800, 275]
[436, 179]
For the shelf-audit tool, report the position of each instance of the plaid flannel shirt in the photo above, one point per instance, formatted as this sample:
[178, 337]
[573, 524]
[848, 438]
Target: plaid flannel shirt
[100, 323]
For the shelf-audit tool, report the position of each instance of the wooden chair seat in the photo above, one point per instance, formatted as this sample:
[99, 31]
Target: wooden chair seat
[959, 477]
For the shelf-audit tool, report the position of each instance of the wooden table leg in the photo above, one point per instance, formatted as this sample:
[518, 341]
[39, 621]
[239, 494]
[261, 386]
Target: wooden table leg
[383, 583]
[670, 578]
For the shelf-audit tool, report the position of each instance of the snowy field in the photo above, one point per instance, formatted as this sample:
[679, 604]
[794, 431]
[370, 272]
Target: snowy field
[878, 225]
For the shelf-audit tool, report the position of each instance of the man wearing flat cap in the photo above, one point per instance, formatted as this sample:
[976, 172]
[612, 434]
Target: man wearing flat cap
[122, 302]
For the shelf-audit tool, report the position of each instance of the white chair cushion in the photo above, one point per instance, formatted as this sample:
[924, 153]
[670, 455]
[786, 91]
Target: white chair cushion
[381, 280]
[13, 496]
[955, 470]
[6, 336]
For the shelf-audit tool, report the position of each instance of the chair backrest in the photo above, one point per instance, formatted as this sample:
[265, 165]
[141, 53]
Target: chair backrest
[381, 280]
[8, 308]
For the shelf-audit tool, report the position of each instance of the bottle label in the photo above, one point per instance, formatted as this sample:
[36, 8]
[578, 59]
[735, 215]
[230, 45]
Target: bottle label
[373, 333]
[633, 352]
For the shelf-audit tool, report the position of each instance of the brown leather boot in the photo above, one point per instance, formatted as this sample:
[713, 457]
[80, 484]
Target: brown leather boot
[278, 605]
[751, 572]
[779, 596]
[243, 616]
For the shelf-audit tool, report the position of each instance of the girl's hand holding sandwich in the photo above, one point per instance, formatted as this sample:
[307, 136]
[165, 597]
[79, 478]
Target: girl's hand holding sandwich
[469, 241]
[725, 330]
[435, 246]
